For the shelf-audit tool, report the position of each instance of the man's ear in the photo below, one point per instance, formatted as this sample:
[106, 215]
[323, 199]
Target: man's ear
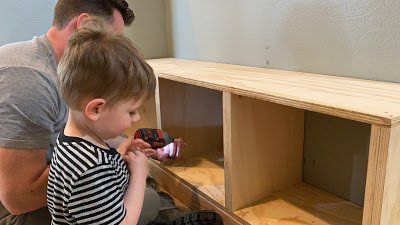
[81, 19]
[94, 108]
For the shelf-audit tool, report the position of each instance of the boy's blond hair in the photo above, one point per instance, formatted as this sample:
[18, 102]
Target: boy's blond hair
[99, 64]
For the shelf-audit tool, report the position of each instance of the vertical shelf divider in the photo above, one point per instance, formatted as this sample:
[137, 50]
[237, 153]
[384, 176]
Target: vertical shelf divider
[227, 121]
[265, 151]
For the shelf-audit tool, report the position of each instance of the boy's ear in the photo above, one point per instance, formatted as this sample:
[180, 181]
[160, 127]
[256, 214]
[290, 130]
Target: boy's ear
[94, 108]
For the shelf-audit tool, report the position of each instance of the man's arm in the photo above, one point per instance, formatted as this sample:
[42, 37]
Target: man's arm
[23, 179]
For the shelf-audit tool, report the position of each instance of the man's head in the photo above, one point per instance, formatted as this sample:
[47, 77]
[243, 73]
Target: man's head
[102, 65]
[71, 14]
[66, 10]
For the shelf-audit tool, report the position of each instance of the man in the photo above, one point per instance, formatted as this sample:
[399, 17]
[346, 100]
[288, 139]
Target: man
[32, 112]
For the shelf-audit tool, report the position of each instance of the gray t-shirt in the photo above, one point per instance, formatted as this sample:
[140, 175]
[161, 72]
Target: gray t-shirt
[32, 111]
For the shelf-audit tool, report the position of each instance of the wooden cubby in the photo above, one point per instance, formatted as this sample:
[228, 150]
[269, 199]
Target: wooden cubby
[245, 130]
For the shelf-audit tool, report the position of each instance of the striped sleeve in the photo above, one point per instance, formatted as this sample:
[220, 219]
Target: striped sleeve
[96, 197]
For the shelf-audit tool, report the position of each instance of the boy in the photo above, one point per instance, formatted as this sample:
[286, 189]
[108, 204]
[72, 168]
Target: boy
[104, 81]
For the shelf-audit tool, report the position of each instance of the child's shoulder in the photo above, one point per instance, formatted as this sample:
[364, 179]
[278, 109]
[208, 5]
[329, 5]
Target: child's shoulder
[80, 151]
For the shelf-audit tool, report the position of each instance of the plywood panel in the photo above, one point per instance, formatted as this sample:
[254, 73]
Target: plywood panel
[360, 100]
[266, 149]
[194, 113]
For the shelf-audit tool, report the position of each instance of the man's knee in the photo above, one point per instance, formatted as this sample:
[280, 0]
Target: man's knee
[151, 206]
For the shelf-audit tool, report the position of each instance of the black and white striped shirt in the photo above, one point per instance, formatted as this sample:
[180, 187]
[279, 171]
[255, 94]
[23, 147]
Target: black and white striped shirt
[86, 183]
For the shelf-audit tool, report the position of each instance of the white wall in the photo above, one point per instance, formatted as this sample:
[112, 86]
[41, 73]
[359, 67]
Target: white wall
[354, 38]
[22, 19]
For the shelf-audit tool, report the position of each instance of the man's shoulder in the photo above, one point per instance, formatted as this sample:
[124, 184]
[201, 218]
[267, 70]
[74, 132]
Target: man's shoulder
[28, 62]
[23, 48]
[36, 54]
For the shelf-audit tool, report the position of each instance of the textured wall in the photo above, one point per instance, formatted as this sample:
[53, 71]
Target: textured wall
[352, 38]
[356, 38]
[149, 30]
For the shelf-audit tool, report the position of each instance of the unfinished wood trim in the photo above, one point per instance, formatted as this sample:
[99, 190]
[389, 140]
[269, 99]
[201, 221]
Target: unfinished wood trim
[189, 195]
[391, 195]
[376, 173]
[227, 113]
[361, 100]
[266, 149]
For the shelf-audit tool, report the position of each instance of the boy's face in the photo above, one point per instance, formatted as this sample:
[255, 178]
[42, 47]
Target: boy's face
[117, 119]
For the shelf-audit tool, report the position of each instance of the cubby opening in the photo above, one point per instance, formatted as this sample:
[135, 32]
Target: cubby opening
[195, 114]
[282, 179]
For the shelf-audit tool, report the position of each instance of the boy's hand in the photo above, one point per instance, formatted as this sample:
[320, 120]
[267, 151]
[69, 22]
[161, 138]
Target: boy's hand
[144, 147]
[137, 163]
[131, 144]
[165, 154]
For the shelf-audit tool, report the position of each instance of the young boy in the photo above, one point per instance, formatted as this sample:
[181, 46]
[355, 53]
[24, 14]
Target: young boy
[104, 80]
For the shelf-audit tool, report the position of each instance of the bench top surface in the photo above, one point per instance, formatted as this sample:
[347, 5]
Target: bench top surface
[366, 101]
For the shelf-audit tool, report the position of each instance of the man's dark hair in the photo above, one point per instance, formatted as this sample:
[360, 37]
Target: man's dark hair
[65, 10]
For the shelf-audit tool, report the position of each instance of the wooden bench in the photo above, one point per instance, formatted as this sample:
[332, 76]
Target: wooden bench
[245, 131]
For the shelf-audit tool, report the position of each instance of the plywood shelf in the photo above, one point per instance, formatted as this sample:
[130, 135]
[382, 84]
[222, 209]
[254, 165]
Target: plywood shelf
[205, 173]
[245, 132]
[302, 204]
[299, 204]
